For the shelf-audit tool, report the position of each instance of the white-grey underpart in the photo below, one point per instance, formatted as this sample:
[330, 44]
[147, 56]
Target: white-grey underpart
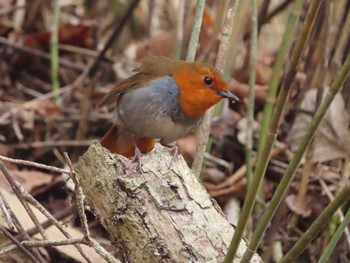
[153, 111]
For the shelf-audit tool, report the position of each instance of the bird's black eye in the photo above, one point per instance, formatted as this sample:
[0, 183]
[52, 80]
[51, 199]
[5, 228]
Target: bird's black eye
[208, 80]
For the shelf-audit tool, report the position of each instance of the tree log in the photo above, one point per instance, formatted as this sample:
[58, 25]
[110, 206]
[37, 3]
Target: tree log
[160, 215]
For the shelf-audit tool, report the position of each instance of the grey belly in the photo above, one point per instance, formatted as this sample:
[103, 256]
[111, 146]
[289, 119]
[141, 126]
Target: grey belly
[146, 112]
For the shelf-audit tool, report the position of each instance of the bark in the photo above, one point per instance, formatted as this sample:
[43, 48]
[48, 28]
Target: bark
[160, 215]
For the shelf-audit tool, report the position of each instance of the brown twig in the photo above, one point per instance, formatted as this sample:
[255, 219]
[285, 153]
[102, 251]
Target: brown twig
[34, 164]
[62, 143]
[239, 174]
[267, 17]
[10, 9]
[340, 212]
[22, 195]
[60, 216]
[5, 211]
[82, 51]
[47, 214]
[16, 189]
[18, 245]
[39, 53]
[93, 69]
[16, 222]
[79, 197]
[80, 205]
[237, 187]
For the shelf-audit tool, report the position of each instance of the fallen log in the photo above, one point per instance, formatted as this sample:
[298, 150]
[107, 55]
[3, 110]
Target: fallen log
[160, 215]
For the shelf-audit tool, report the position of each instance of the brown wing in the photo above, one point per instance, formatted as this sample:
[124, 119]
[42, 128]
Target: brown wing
[159, 66]
[151, 67]
[132, 82]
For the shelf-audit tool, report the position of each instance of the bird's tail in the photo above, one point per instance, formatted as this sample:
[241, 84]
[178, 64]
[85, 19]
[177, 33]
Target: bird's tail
[124, 144]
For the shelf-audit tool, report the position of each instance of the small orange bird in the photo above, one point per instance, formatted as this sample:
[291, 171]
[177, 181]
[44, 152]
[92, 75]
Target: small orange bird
[166, 99]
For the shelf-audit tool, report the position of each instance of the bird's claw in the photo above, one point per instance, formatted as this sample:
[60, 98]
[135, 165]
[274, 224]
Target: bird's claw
[175, 152]
[137, 158]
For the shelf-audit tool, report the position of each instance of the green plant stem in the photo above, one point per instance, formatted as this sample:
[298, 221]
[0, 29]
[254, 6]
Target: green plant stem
[243, 8]
[337, 235]
[276, 72]
[294, 163]
[251, 98]
[196, 29]
[275, 121]
[116, 34]
[54, 47]
[219, 64]
[218, 108]
[179, 30]
[316, 227]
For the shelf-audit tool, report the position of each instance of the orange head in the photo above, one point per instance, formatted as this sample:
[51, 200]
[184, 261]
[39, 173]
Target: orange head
[201, 86]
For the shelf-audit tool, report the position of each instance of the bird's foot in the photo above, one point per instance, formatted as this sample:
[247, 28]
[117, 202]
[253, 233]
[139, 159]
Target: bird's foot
[137, 158]
[175, 154]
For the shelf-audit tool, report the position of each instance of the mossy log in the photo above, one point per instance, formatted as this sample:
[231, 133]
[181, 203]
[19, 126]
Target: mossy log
[160, 215]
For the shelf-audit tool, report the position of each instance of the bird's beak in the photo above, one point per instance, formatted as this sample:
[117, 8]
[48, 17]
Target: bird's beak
[227, 94]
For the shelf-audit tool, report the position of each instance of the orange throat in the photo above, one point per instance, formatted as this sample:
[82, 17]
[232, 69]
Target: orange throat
[194, 106]
[194, 97]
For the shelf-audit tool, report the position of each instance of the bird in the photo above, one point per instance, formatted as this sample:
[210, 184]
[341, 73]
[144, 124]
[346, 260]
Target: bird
[163, 101]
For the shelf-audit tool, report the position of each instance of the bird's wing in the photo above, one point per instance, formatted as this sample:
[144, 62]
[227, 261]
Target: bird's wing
[136, 81]
[159, 66]
[150, 68]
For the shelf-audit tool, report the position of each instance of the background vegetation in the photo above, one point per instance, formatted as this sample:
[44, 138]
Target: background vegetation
[285, 141]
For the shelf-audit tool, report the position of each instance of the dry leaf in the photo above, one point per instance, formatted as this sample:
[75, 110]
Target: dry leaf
[242, 130]
[302, 208]
[212, 175]
[163, 44]
[187, 147]
[75, 35]
[263, 73]
[28, 179]
[232, 210]
[5, 2]
[242, 90]
[46, 108]
[332, 139]
[223, 124]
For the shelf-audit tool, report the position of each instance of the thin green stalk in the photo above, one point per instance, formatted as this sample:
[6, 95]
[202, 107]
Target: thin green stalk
[276, 72]
[196, 29]
[219, 64]
[54, 47]
[294, 163]
[251, 99]
[218, 108]
[179, 30]
[317, 226]
[243, 8]
[232, 42]
[275, 121]
[337, 235]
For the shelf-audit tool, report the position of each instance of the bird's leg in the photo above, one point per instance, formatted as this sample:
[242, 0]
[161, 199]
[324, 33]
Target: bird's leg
[137, 156]
[175, 152]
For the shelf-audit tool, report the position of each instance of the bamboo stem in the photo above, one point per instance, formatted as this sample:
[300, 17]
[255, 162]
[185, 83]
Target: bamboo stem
[316, 227]
[266, 150]
[196, 29]
[220, 65]
[337, 235]
[251, 98]
[54, 47]
[276, 72]
[294, 163]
